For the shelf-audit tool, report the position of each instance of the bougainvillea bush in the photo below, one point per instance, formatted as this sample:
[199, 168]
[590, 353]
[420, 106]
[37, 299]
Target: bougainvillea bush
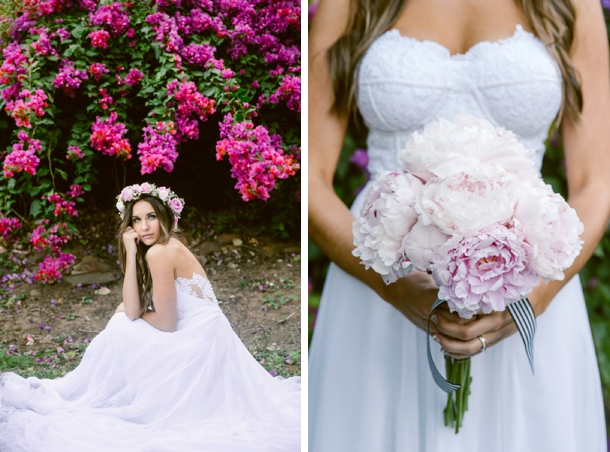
[83, 80]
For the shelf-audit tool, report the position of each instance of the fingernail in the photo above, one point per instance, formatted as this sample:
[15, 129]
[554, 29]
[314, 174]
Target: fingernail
[434, 320]
[434, 338]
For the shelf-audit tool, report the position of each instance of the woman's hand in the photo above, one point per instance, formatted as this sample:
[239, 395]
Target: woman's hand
[460, 337]
[131, 239]
[120, 308]
[413, 296]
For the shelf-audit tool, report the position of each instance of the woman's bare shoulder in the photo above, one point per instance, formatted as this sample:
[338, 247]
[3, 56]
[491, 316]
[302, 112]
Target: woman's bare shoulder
[170, 250]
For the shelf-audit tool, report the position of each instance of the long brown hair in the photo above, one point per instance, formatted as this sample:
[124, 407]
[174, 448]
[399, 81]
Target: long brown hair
[552, 21]
[165, 217]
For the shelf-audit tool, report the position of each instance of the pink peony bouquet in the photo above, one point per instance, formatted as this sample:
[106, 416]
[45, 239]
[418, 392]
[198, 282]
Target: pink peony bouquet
[467, 206]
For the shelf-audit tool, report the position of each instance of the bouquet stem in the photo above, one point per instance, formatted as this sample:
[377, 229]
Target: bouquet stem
[458, 372]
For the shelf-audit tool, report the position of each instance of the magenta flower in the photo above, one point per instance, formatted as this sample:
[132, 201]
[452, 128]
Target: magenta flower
[107, 137]
[21, 159]
[97, 69]
[158, 148]
[74, 152]
[69, 79]
[99, 38]
[134, 76]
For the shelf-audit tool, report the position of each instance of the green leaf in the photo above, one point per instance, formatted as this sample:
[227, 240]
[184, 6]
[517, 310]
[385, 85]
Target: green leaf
[35, 208]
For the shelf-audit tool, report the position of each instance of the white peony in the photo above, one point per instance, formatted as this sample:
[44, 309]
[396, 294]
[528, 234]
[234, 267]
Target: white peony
[385, 219]
[120, 206]
[467, 144]
[163, 193]
[467, 202]
[552, 229]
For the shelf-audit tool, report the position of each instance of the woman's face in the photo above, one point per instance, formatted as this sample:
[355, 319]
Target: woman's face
[145, 222]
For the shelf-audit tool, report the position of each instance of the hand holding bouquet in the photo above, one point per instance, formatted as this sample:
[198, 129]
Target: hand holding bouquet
[467, 206]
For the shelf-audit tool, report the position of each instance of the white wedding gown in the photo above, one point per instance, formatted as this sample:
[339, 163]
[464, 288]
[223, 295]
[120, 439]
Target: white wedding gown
[370, 387]
[141, 389]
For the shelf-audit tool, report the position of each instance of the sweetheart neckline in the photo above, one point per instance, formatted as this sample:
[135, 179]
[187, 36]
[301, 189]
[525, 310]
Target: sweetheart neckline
[519, 31]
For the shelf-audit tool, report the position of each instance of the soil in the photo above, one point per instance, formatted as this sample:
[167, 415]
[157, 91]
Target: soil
[256, 281]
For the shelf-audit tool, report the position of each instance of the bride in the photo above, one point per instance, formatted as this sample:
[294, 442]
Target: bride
[167, 373]
[402, 64]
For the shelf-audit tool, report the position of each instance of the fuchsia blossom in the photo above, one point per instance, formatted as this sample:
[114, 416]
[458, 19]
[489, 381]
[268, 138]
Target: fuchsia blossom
[62, 205]
[43, 45]
[112, 16]
[99, 38]
[52, 267]
[76, 191]
[289, 92]
[97, 69]
[198, 54]
[134, 76]
[27, 103]
[192, 105]
[8, 225]
[107, 137]
[106, 101]
[74, 152]
[13, 67]
[63, 34]
[257, 158]
[69, 79]
[22, 159]
[159, 147]
[53, 237]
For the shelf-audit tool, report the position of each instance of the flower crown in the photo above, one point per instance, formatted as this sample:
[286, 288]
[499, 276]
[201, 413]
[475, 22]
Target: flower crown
[134, 192]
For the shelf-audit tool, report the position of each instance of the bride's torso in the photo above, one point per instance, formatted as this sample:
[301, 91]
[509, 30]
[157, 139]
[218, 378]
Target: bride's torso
[405, 83]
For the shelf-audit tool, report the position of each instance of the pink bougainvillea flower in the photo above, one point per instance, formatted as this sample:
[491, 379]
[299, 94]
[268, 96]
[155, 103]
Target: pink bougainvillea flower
[256, 157]
[107, 136]
[74, 152]
[99, 38]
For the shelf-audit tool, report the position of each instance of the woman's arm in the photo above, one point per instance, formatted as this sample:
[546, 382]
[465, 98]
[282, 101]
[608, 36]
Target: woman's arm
[587, 155]
[131, 295]
[330, 221]
[161, 262]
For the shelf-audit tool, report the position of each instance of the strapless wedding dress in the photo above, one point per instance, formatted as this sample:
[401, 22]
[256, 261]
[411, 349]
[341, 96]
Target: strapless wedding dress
[370, 388]
[142, 389]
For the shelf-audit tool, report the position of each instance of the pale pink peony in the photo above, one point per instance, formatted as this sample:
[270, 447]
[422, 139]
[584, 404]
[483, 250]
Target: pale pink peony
[385, 219]
[467, 202]
[126, 194]
[552, 229]
[467, 144]
[484, 272]
[163, 193]
[175, 205]
[145, 188]
[421, 243]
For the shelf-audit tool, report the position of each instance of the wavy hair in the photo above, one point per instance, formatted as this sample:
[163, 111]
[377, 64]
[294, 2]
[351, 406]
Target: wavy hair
[551, 20]
[165, 217]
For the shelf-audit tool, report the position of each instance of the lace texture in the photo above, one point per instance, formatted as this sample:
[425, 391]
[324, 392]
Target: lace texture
[405, 83]
[197, 286]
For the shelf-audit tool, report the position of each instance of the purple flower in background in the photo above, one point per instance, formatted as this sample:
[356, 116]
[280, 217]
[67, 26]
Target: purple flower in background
[273, 373]
[360, 158]
[314, 6]
[606, 4]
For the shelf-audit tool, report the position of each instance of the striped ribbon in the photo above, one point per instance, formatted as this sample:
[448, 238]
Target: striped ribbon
[523, 315]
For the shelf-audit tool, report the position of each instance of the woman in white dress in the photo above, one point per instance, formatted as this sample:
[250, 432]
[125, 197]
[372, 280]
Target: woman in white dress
[403, 64]
[167, 373]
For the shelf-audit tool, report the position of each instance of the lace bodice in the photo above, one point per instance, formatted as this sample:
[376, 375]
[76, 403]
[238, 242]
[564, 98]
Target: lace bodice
[405, 83]
[197, 286]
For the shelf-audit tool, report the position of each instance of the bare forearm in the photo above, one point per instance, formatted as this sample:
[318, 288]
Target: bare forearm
[131, 294]
[592, 204]
[330, 228]
[160, 323]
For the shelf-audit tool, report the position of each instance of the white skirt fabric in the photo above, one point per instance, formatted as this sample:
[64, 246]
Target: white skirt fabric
[370, 386]
[141, 389]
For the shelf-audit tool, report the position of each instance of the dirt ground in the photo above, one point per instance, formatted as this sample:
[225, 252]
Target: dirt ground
[256, 281]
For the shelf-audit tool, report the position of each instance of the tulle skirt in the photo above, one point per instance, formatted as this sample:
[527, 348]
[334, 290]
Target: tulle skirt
[141, 389]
